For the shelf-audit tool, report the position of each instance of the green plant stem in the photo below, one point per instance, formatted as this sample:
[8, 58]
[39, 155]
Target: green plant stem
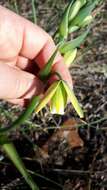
[78, 126]
[45, 178]
[58, 75]
[16, 6]
[34, 12]
[12, 153]
[46, 71]
[34, 102]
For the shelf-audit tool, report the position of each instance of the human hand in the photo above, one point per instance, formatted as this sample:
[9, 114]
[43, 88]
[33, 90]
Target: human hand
[23, 47]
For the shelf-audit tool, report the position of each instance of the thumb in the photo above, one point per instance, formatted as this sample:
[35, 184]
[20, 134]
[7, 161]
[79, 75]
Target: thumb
[15, 83]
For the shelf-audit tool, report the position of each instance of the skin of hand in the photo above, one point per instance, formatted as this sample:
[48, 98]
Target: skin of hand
[23, 47]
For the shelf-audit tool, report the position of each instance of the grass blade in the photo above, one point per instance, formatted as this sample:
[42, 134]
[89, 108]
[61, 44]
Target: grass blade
[46, 179]
[16, 7]
[34, 12]
[12, 153]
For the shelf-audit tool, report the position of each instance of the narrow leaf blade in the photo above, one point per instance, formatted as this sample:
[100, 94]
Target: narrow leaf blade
[12, 153]
[63, 28]
[70, 45]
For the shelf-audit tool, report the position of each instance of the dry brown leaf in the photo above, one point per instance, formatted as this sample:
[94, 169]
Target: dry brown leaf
[72, 136]
[67, 132]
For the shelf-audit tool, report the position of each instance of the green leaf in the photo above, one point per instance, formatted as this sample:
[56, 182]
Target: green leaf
[12, 153]
[59, 100]
[70, 45]
[48, 95]
[73, 100]
[63, 28]
[45, 72]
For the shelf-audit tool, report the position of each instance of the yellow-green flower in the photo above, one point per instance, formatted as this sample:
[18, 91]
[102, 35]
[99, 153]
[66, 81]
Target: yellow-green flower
[57, 95]
[59, 100]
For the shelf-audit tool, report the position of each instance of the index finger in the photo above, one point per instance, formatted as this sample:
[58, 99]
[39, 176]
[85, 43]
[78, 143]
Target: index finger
[43, 47]
[36, 43]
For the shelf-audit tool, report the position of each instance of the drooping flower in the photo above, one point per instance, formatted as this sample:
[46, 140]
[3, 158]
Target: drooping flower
[57, 95]
[59, 100]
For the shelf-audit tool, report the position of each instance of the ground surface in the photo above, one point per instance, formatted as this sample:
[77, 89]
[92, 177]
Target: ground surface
[72, 158]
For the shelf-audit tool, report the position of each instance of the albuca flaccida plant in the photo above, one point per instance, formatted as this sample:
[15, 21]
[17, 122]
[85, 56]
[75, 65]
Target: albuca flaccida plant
[77, 16]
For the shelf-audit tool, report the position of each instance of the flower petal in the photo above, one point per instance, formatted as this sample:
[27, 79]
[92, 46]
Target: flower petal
[48, 95]
[73, 100]
[59, 100]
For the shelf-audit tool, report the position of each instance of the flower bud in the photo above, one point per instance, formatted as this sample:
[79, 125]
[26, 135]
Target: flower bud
[87, 21]
[82, 15]
[75, 8]
[69, 57]
[72, 29]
